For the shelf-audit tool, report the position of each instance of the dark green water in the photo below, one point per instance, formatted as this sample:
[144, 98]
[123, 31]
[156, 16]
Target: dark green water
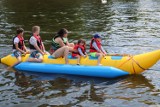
[130, 26]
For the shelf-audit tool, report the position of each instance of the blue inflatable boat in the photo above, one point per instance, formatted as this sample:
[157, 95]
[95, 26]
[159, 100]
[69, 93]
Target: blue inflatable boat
[94, 71]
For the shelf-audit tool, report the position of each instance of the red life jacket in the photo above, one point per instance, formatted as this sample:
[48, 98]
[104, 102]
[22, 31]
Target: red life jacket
[20, 44]
[92, 49]
[75, 53]
[39, 42]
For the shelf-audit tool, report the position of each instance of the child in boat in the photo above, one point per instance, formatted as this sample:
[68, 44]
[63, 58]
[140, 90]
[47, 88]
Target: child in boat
[96, 49]
[19, 47]
[36, 46]
[79, 50]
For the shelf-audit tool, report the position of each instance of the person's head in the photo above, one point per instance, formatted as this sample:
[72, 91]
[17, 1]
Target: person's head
[36, 29]
[81, 42]
[20, 31]
[97, 37]
[62, 32]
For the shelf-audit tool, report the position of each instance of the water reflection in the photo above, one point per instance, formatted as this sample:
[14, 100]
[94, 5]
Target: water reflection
[22, 80]
[94, 96]
[51, 87]
[137, 81]
[64, 82]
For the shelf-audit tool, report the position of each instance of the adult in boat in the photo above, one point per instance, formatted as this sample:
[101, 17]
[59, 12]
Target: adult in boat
[36, 46]
[60, 46]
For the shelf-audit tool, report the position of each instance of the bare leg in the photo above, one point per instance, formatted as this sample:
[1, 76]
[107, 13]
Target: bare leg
[71, 44]
[34, 60]
[40, 59]
[71, 49]
[66, 51]
[63, 51]
[78, 59]
[99, 58]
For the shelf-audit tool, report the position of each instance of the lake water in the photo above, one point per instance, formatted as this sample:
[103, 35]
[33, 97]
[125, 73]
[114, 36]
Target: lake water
[129, 26]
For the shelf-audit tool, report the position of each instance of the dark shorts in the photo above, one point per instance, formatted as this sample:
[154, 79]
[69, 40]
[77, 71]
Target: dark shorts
[36, 54]
[17, 54]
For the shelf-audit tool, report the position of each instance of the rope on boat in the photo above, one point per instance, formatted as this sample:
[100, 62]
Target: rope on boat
[133, 68]
[125, 61]
[133, 61]
[138, 64]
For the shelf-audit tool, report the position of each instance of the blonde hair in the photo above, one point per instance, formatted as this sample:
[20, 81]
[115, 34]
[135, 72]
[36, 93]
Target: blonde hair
[35, 29]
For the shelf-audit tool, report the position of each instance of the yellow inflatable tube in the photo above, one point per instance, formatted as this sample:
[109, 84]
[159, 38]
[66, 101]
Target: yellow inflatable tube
[133, 64]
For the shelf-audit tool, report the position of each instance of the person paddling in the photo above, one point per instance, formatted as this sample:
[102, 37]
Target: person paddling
[96, 49]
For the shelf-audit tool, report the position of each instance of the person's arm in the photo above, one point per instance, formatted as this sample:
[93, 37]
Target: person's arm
[103, 50]
[16, 41]
[17, 48]
[80, 52]
[33, 42]
[43, 47]
[96, 47]
[66, 41]
[86, 53]
[38, 49]
[26, 50]
[59, 40]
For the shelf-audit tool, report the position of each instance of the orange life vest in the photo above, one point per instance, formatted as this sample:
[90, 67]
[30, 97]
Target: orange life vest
[20, 44]
[92, 49]
[39, 42]
[75, 53]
